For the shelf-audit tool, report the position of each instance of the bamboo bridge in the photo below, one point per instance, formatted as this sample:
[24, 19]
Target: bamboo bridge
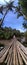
[14, 54]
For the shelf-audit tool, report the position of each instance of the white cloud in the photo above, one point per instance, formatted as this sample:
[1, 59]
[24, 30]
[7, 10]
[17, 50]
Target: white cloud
[2, 1]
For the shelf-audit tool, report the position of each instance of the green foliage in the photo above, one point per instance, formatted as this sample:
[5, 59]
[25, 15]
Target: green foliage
[25, 24]
[17, 33]
[1, 34]
[21, 9]
[8, 33]
[25, 34]
[23, 4]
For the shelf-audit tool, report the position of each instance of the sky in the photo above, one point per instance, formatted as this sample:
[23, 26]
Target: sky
[2, 1]
[11, 19]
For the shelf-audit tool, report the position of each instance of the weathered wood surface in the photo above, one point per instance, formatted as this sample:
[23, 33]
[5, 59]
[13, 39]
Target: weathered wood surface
[14, 54]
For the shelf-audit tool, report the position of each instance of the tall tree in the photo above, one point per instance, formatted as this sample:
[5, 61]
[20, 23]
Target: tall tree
[5, 8]
[22, 8]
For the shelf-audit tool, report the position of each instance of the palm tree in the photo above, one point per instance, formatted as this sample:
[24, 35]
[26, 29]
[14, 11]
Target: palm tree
[7, 7]
[1, 9]
[22, 8]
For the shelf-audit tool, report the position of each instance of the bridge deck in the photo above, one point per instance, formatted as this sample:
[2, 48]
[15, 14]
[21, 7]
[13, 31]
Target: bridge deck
[14, 54]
